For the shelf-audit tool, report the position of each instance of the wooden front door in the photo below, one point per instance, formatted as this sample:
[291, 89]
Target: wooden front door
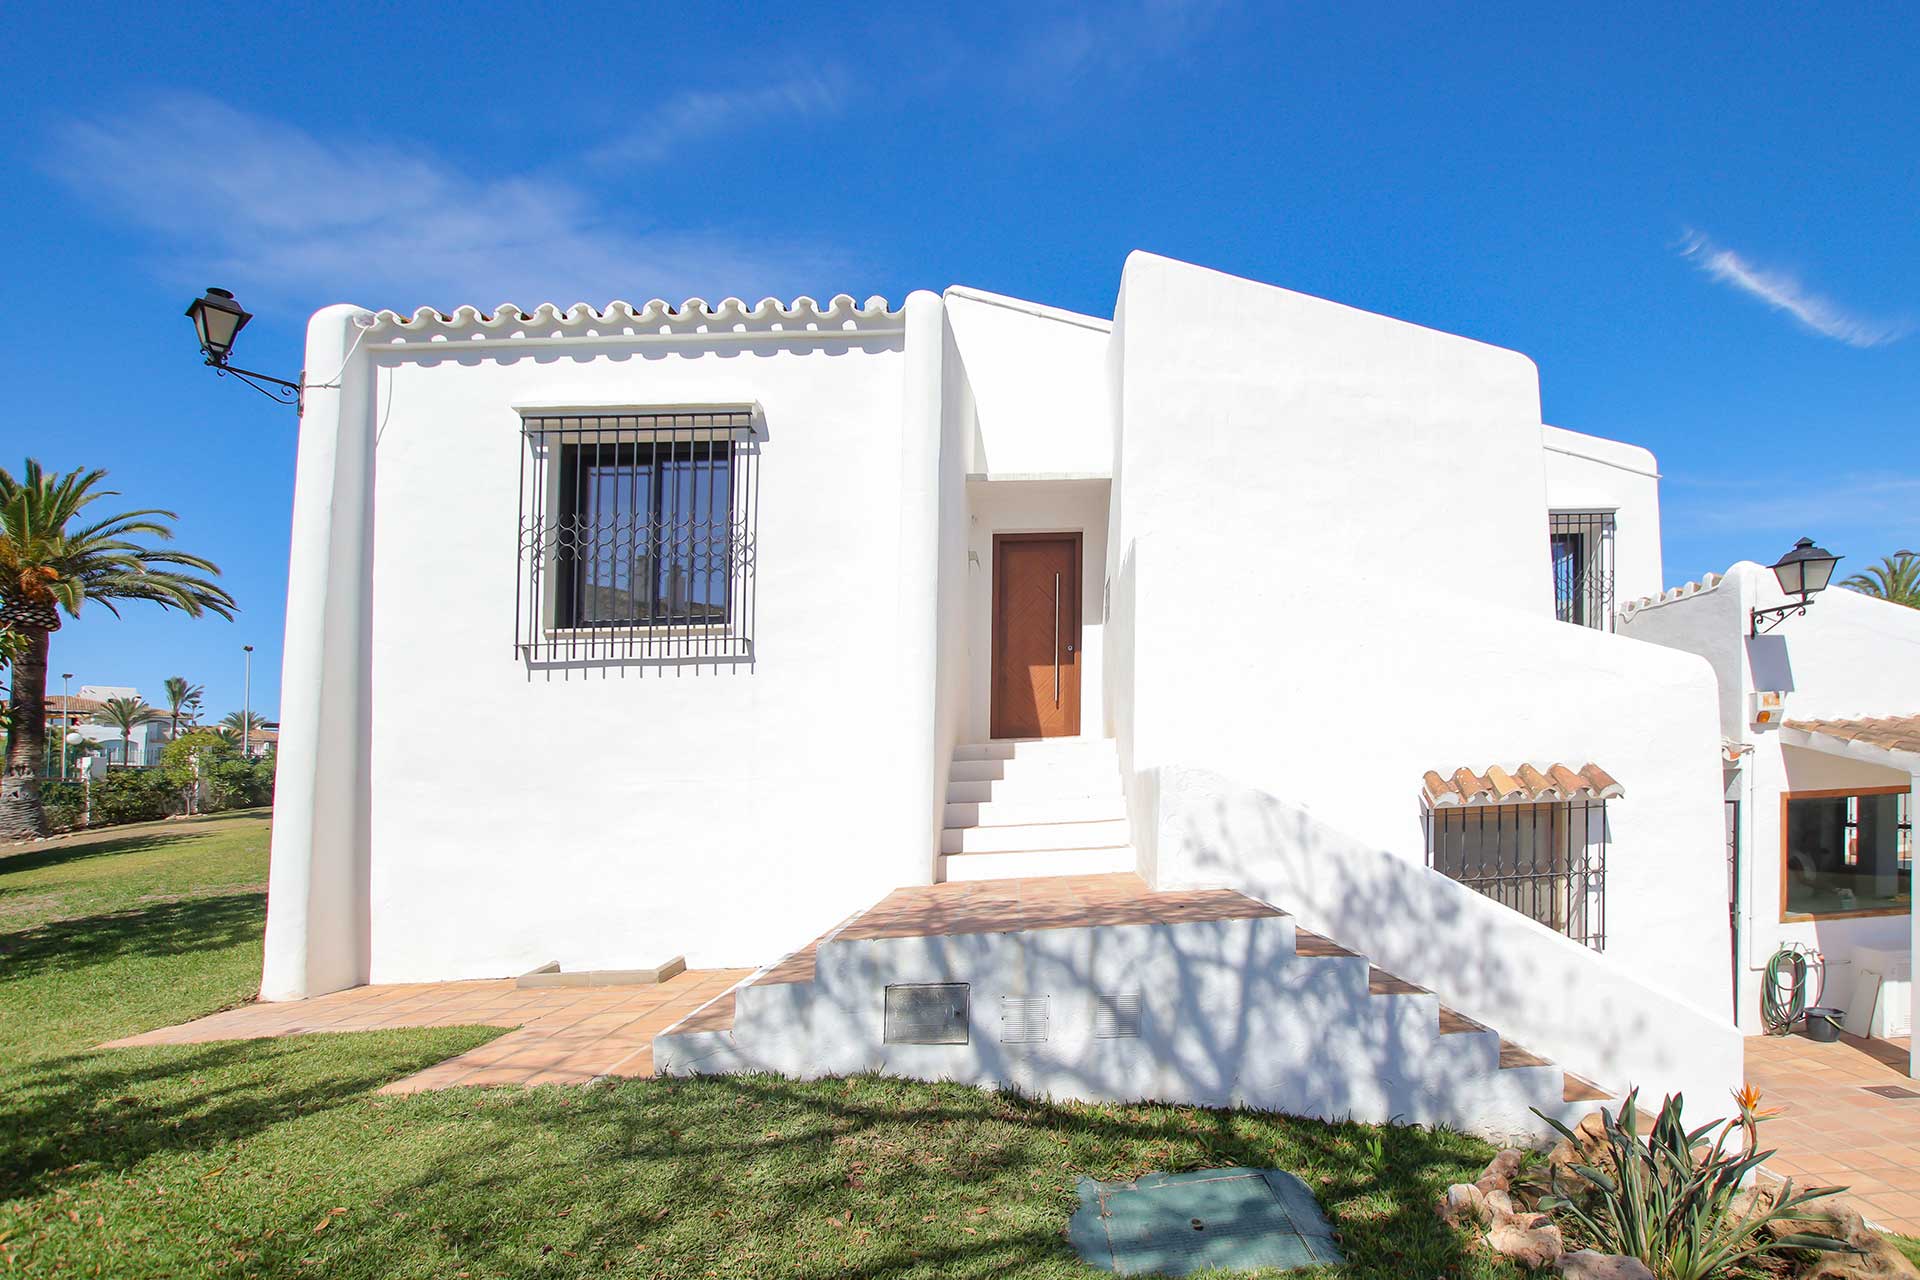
[1036, 635]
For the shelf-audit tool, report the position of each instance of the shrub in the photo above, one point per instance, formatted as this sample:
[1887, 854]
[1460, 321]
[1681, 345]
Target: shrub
[133, 795]
[63, 802]
[193, 758]
[1675, 1203]
[241, 784]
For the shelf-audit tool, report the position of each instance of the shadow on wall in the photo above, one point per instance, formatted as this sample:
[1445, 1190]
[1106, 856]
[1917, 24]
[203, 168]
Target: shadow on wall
[1537, 987]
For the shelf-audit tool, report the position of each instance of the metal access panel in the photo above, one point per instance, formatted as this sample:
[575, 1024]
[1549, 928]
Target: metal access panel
[1171, 1224]
[927, 1013]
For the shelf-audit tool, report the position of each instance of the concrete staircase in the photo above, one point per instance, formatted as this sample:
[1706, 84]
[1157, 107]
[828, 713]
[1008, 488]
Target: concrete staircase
[1095, 987]
[1034, 807]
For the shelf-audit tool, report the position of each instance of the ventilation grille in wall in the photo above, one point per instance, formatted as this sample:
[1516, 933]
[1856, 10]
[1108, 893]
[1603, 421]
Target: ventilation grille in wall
[1023, 1019]
[1116, 1015]
[927, 1013]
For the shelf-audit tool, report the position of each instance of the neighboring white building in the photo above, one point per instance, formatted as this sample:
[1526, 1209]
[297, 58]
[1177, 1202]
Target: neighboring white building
[144, 746]
[1821, 721]
[744, 596]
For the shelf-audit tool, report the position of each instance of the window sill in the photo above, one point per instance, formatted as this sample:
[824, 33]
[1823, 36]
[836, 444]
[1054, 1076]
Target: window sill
[1803, 917]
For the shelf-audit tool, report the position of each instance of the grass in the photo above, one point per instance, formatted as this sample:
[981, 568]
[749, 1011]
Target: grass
[276, 1158]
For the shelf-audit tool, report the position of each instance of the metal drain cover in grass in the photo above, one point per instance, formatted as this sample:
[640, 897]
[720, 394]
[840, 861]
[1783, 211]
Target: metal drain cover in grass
[1173, 1223]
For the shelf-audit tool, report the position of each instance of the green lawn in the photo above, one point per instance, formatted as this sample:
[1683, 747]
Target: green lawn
[274, 1158]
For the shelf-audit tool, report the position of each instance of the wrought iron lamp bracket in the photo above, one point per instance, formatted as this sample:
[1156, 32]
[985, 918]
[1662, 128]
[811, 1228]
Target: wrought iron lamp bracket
[279, 390]
[1776, 616]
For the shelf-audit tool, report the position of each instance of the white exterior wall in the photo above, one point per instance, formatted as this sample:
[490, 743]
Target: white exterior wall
[610, 816]
[1588, 473]
[1355, 540]
[1850, 656]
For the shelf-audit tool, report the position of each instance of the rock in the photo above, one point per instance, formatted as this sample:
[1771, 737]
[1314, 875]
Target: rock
[1500, 1171]
[1500, 1205]
[1877, 1259]
[1464, 1204]
[1585, 1264]
[1531, 1241]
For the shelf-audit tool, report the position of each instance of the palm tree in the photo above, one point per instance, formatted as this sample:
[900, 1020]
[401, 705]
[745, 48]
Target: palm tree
[183, 701]
[126, 715]
[47, 567]
[1895, 578]
[242, 728]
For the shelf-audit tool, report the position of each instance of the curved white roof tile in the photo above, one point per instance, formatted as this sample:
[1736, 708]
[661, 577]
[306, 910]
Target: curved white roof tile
[694, 316]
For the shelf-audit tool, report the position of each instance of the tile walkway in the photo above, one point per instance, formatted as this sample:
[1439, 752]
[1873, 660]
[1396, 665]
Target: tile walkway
[1830, 1131]
[563, 1035]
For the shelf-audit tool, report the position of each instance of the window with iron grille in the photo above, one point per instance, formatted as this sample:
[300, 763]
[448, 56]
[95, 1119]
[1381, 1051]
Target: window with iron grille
[1581, 543]
[1546, 861]
[637, 536]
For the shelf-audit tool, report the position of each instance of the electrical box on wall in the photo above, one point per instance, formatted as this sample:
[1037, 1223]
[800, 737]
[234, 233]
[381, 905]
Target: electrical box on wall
[1769, 708]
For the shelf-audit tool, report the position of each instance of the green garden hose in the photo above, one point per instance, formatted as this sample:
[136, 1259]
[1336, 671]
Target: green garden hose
[1783, 996]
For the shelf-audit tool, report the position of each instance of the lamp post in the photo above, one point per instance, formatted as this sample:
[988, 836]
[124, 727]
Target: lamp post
[218, 320]
[74, 739]
[66, 704]
[1804, 572]
[246, 706]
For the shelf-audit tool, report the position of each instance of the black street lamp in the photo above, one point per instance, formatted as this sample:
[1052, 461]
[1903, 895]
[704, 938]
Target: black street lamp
[1804, 572]
[218, 320]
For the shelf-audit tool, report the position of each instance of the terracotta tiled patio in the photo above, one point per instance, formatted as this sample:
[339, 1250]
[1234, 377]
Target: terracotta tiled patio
[1831, 1131]
[565, 1035]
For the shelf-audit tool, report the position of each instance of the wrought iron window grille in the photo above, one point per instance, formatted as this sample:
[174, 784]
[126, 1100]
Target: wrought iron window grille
[637, 537]
[1581, 544]
[1546, 861]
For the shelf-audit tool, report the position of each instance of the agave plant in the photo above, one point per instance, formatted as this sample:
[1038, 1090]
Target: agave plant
[1674, 1202]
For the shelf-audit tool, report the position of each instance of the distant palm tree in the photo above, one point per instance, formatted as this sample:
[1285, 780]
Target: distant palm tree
[238, 720]
[183, 702]
[47, 567]
[1895, 578]
[126, 715]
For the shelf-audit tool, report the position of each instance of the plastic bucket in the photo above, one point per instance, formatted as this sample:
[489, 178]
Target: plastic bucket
[1823, 1023]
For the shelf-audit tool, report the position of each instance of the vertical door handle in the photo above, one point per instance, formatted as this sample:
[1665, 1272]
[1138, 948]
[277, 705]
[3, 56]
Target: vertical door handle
[1056, 639]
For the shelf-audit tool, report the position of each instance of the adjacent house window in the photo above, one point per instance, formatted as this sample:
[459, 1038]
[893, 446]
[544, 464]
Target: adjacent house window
[637, 536]
[1546, 861]
[1846, 852]
[1581, 543]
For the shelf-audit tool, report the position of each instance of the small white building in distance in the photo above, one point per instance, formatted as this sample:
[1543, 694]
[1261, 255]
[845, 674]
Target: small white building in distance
[1273, 638]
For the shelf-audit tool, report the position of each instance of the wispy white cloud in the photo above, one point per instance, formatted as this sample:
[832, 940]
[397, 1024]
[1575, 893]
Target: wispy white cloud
[700, 114]
[1875, 502]
[231, 197]
[1782, 292]
[1115, 39]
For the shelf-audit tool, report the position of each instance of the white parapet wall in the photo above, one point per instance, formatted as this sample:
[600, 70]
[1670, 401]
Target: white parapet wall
[1330, 569]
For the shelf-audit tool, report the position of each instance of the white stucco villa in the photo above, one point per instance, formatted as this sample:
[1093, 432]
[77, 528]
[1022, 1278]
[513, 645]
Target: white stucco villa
[1298, 613]
[1820, 716]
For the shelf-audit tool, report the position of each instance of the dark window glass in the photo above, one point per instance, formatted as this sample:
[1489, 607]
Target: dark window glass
[1848, 853]
[645, 534]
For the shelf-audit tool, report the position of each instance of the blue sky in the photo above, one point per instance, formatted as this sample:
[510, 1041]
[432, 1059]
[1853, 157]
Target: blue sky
[1699, 221]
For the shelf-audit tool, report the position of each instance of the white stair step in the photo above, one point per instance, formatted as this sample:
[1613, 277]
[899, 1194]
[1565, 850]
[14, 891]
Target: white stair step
[1029, 790]
[1038, 749]
[1072, 769]
[1043, 809]
[1055, 835]
[1033, 862]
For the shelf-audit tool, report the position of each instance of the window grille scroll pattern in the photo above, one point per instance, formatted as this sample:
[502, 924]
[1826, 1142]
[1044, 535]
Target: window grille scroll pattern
[637, 538]
[1581, 544]
[1546, 861]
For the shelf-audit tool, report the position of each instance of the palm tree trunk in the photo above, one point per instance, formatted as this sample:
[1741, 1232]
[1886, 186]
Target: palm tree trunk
[21, 817]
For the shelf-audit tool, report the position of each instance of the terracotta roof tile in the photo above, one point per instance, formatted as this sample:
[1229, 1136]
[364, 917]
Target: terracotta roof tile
[1524, 784]
[1893, 733]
